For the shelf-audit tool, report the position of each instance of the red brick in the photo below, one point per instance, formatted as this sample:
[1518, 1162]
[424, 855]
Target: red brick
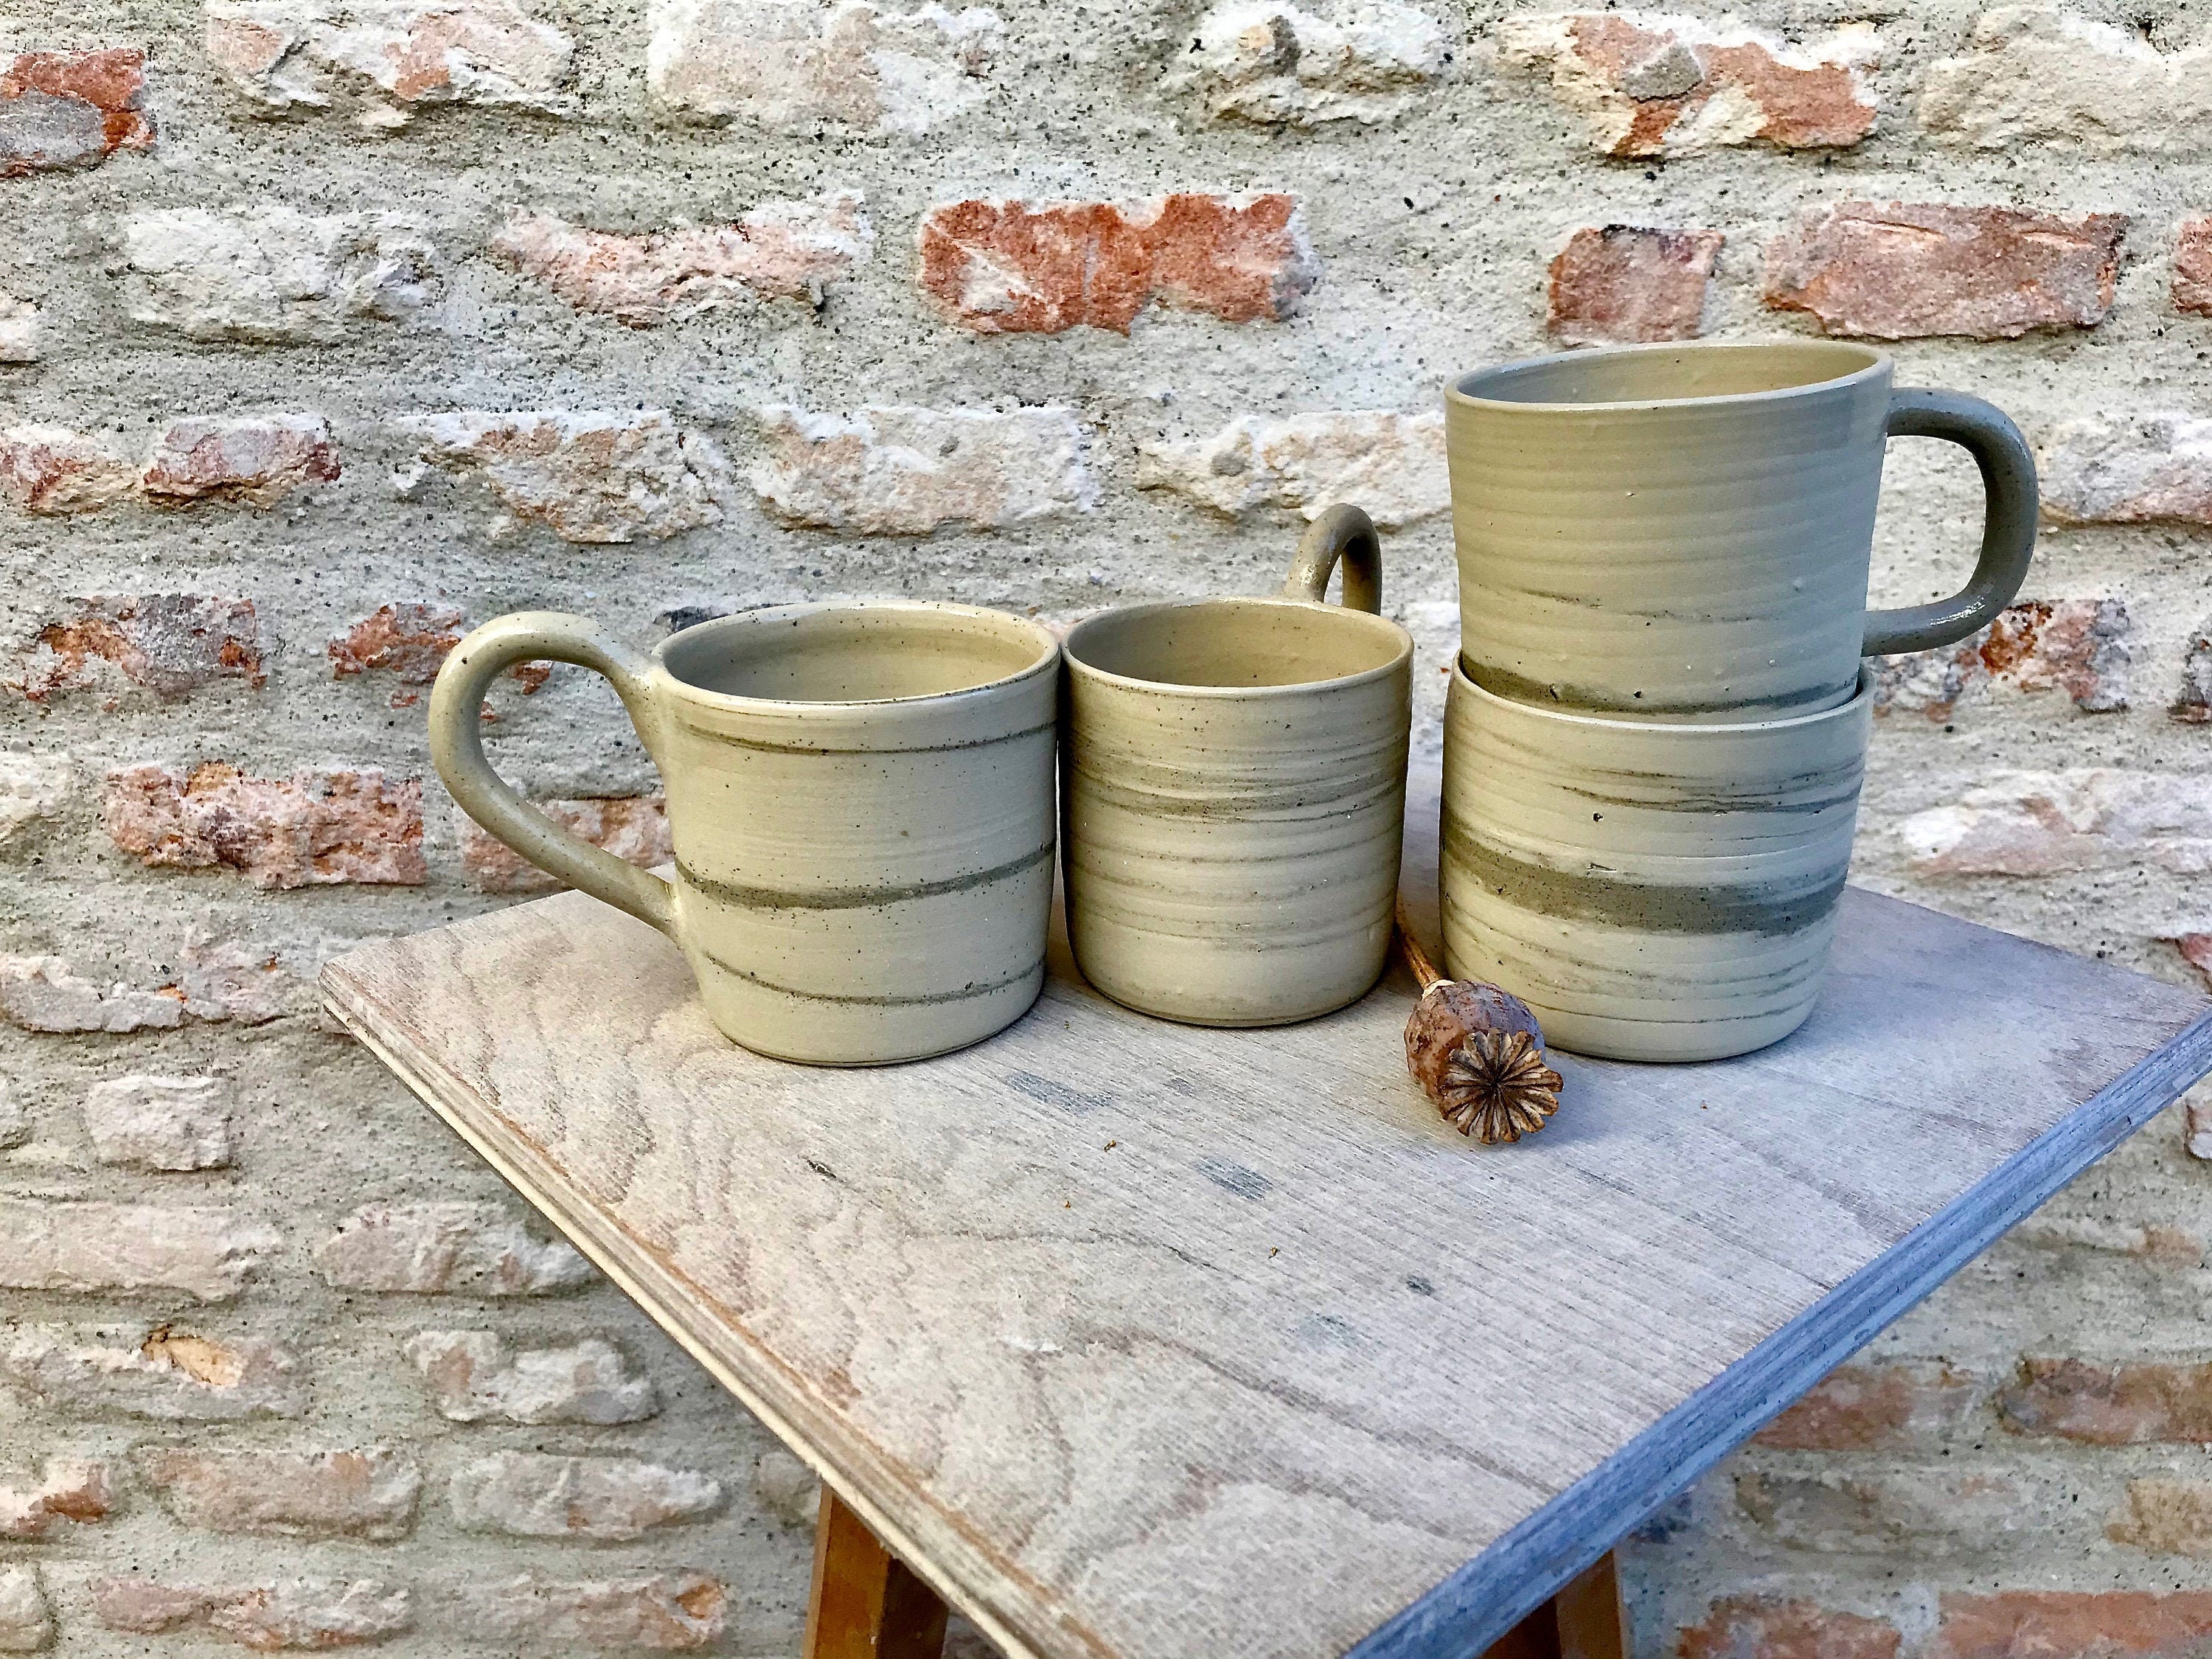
[1905, 270]
[2123, 1405]
[2077, 1624]
[1768, 1627]
[1654, 85]
[69, 109]
[1627, 283]
[251, 458]
[69, 1489]
[2196, 949]
[410, 641]
[2192, 267]
[632, 827]
[1001, 267]
[314, 828]
[1873, 1407]
[170, 643]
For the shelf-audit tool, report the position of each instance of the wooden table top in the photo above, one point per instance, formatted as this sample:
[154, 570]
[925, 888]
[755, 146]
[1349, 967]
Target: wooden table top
[1139, 1341]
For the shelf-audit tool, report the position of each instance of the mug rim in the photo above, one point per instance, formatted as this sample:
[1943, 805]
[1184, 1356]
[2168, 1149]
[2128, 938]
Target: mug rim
[1046, 660]
[1247, 693]
[1690, 731]
[1872, 362]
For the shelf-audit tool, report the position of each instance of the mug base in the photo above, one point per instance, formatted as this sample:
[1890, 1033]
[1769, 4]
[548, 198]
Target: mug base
[1225, 1009]
[1599, 1036]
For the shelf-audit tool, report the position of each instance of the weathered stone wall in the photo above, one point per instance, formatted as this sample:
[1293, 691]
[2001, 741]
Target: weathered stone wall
[328, 329]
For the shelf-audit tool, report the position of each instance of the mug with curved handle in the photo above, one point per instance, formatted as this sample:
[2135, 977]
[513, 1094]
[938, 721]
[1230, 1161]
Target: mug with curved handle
[1684, 533]
[861, 800]
[1233, 784]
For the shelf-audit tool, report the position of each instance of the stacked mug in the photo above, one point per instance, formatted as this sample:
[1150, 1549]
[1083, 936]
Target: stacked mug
[1658, 721]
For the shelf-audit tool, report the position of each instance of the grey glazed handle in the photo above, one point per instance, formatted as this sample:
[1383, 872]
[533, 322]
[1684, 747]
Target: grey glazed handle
[457, 750]
[2008, 524]
[1343, 533]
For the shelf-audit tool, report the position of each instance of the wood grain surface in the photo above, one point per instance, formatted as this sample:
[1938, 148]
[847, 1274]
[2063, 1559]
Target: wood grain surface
[1143, 1340]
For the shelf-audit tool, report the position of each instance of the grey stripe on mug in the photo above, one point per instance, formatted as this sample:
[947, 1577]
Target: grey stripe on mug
[966, 993]
[857, 898]
[1776, 909]
[884, 748]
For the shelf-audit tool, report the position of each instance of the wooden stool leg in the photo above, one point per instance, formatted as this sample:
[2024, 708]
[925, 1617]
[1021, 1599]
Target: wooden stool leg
[864, 1604]
[1582, 1621]
[1591, 1625]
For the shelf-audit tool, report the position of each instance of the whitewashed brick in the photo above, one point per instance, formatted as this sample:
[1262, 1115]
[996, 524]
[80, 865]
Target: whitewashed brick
[53, 469]
[2080, 647]
[32, 788]
[342, 1494]
[786, 250]
[269, 274]
[43, 993]
[2040, 73]
[429, 1250]
[894, 471]
[662, 1613]
[231, 980]
[396, 54]
[788, 65]
[2198, 1134]
[1826, 1512]
[26, 1624]
[19, 331]
[2141, 468]
[320, 827]
[633, 827]
[279, 1614]
[252, 458]
[787, 1488]
[203, 1251]
[15, 1122]
[2036, 824]
[1270, 61]
[476, 1376]
[610, 475]
[2192, 702]
[1391, 465]
[159, 1122]
[167, 1375]
[71, 1489]
[2162, 1244]
[1652, 83]
[170, 644]
[607, 1499]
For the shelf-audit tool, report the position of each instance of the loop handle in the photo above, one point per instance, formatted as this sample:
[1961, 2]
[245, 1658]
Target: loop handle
[1341, 532]
[2008, 524]
[457, 750]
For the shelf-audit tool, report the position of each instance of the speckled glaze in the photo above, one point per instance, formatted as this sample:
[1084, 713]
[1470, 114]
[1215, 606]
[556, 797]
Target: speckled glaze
[861, 796]
[1233, 777]
[1683, 532]
[1654, 891]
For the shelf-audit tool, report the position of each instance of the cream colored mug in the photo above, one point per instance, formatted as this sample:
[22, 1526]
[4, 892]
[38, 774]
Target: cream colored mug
[861, 797]
[1683, 532]
[1233, 789]
[1652, 891]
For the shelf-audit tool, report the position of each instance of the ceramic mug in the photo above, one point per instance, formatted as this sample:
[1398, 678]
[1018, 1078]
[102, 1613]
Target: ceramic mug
[1683, 532]
[1233, 789]
[861, 797]
[1654, 891]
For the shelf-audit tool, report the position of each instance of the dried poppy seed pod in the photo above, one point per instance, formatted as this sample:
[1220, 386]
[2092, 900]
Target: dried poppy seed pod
[1478, 1052]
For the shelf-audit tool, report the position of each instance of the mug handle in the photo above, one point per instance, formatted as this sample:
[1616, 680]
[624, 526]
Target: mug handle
[457, 750]
[1343, 531]
[2008, 524]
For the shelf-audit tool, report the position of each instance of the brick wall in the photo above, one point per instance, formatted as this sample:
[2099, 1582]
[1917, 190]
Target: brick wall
[327, 330]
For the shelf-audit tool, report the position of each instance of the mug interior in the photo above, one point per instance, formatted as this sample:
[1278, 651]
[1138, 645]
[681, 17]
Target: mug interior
[857, 653]
[1237, 644]
[1647, 374]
